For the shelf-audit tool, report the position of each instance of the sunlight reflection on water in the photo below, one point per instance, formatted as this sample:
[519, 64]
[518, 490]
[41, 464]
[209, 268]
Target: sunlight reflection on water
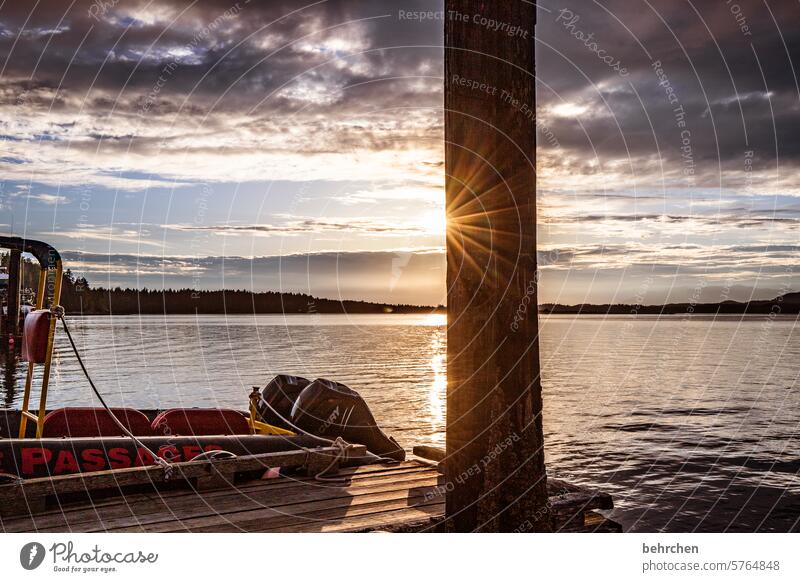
[688, 423]
[438, 390]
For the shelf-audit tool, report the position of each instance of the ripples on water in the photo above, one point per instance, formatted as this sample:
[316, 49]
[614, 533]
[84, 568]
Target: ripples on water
[690, 424]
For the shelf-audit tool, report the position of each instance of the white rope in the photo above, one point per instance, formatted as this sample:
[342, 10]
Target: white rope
[58, 311]
[343, 448]
[372, 456]
[213, 455]
[8, 479]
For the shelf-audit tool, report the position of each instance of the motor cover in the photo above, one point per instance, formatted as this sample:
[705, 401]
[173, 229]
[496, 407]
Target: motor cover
[329, 409]
[280, 394]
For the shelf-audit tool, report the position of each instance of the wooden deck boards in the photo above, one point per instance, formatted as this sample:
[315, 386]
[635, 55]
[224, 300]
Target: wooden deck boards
[374, 497]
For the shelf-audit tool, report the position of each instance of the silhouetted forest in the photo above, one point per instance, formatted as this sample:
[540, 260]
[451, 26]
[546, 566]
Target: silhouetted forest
[78, 297]
[788, 304]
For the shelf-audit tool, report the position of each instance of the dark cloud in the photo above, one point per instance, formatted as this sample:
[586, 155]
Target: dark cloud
[213, 91]
[738, 88]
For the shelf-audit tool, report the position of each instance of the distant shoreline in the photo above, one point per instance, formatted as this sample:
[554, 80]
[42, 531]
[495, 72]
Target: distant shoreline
[78, 298]
[788, 304]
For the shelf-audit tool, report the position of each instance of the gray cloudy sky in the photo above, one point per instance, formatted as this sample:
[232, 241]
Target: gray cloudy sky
[277, 145]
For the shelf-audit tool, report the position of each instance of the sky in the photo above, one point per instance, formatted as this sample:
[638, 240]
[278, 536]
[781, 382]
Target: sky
[276, 145]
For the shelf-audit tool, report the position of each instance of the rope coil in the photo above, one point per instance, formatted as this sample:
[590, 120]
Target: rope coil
[343, 448]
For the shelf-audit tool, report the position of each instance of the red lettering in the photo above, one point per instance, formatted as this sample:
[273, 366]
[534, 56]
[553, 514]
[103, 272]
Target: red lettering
[33, 457]
[93, 460]
[143, 458]
[169, 453]
[66, 463]
[119, 458]
[191, 451]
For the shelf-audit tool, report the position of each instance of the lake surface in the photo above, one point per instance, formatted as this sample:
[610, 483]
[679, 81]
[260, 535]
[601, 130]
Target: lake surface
[691, 424]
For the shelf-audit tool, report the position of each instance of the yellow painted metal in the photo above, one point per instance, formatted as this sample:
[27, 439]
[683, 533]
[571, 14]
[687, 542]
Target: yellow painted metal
[258, 427]
[49, 359]
[40, 304]
[26, 399]
[263, 428]
[42, 288]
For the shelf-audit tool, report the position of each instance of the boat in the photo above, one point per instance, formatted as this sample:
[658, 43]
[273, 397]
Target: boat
[302, 455]
[287, 414]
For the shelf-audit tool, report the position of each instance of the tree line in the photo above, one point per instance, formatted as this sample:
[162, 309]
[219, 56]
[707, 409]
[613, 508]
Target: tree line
[79, 297]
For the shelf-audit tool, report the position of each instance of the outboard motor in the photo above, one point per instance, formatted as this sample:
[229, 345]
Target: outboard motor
[278, 397]
[328, 409]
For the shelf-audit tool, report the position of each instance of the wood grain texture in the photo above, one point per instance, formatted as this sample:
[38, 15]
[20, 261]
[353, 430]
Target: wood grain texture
[401, 497]
[28, 495]
[495, 457]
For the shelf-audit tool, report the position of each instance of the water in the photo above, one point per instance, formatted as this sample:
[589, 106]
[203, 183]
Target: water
[691, 424]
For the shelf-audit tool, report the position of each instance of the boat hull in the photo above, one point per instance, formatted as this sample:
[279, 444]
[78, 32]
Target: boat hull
[30, 458]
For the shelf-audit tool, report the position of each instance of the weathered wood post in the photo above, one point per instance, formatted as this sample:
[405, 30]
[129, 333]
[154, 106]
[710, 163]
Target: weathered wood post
[12, 293]
[495, 461]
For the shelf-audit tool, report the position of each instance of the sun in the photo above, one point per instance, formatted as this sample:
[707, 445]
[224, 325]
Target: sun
[434, 223]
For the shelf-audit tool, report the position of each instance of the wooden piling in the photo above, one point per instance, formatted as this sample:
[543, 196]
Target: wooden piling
[495, 474]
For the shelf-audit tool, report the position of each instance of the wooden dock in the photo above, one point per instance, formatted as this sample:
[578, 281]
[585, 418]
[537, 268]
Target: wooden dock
[400, 497]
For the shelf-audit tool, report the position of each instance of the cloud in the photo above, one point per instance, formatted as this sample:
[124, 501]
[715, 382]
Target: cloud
[49, 199]
[159, 98]
[569, 272]
[294, 225]
[370, 275]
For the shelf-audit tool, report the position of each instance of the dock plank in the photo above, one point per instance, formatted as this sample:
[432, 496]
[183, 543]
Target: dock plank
[220, 508]
[172, 505]
[351, 473]
[395, 497]
[309, 516]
